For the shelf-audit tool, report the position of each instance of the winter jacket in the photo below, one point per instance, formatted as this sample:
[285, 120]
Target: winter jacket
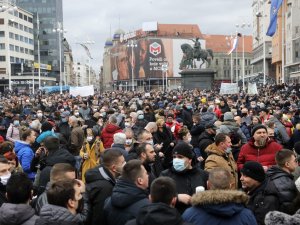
[99, 186]
[13, 133]
[25, 156]
[107, 135]
[187, 117]
[17, 214]
[2, 194]
[262, 200]
[245, 131]
[125, 202]
[285, 186]
[218, 158]
[186, 182]
[76, 140]
[57, 215]
[280, 133]
[174, 127]
[208, 118]
[279, 218]
[65, 130]
[205, 139]
[59, 156]
[232, 127]
[158, 214]
[216, 207]
[265, 156]
[94, 150]
[196, 131]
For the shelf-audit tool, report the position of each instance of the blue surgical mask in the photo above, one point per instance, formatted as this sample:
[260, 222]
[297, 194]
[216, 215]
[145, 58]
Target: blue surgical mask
[178, 164]
[64, 120]
[16, 123]
[150, 142]
[140, 117]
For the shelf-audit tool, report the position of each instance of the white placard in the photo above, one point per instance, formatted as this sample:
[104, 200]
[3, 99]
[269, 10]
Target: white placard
[252, 89]
[229, 88]
[82, 91]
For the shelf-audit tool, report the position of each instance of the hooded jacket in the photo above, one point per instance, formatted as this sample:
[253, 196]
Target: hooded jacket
[158, 214]
[99, 185]
[232, 127]
[265, 156]
[107, 135]
[215, 207]
[19, 214]
[285, 185]
[205, 139]
[25, 156]
[57, 215]
[124, 203]
[218, 158]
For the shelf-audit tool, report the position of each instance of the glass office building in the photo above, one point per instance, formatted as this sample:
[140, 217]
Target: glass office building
[50, 14]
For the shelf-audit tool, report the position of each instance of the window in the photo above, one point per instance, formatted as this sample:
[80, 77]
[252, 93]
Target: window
[22, 49]
[16, 25]
[2, 33]
[26, 28]
[21, 38]
[2, 46]
[11, 47]
[21, 27]
[2, 58]
[21, 15]
[25, 17]
[12, 59]
[26, 39]
[17, 37]
[217, 62]
[238, 61]
[30, 20]
[17, 48]
[1, 21]
[11, 35]
[225, 61]
[26, 51]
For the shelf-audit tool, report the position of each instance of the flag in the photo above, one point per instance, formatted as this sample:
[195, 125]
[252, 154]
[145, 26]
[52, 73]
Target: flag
[235, 43]
[87, 50]
[275, 5]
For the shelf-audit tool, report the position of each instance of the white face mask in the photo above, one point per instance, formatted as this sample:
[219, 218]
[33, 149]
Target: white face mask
[76, 114]
[5, 178]
[39, 115]
[89, 138]
[127, 124]
[128, 141]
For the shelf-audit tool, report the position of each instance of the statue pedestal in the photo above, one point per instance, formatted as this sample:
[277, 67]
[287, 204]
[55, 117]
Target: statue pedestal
[197, 78]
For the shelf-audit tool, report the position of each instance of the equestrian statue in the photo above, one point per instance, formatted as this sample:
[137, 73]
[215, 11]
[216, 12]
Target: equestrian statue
[190, 53]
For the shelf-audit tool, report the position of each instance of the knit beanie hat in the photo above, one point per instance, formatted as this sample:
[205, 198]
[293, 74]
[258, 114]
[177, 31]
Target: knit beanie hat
[257, 127]
[184, 149]
[254, 170]
[228, 116]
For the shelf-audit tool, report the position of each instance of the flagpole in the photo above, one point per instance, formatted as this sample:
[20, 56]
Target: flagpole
[282, 40]
[264, 42]
[236, 60]
[38, 48]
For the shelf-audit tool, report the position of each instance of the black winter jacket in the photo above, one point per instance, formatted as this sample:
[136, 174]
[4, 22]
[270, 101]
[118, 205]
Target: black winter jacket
[124, 204]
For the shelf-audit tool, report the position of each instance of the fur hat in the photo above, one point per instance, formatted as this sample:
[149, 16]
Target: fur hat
[184, 149]
[257, 127]
[254, 170]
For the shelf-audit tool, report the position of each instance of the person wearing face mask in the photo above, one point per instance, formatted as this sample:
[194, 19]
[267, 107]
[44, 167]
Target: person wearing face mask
[90, 152]
[140, 123]
[220, 155]
[129, 138]
[185, 174]
[4, 176]
[100, 182]
[65, 203]
[63, 127]
[13, 133]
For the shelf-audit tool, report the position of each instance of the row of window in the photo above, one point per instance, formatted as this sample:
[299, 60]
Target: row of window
[13, 59]
[21, 16]
[20, 49]
[21, 38]
[20, 27]
[227, 73]
[227, 62]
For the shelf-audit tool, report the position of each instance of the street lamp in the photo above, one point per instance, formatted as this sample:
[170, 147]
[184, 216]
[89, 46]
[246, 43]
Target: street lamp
[132, 45]
[243, 26]
[59, 30]
[164, 68]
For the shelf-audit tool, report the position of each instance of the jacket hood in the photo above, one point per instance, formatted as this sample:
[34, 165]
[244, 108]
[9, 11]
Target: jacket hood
[205, 135]
[111, 128]
[56, 213]
[95, 175]
[126, 193]
[15, 213]
[207, 116]
[60, 156]
[213, 149]
[275, 172]
[20, 144]
[221, 202]
[158, 214]
[232, 125]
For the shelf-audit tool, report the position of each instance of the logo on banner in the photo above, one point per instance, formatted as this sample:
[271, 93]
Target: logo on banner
[155, 49]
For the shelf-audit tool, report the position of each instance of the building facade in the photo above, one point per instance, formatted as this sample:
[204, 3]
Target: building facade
[50, 16]
[69, 74]
[85, 75]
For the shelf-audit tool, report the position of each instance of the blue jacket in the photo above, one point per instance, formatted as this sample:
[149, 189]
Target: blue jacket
[216, 207]
[25, 156]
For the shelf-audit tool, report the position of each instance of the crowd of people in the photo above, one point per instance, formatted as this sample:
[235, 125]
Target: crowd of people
[176, 157]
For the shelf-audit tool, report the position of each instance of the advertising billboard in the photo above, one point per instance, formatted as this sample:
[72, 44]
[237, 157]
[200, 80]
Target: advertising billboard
[148, 58]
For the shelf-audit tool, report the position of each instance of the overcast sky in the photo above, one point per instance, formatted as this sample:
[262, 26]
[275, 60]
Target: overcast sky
[97, 20]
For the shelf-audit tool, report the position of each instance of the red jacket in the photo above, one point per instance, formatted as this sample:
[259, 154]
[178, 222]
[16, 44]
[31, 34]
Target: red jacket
[265, 156]
[174, 127]
[107, 135]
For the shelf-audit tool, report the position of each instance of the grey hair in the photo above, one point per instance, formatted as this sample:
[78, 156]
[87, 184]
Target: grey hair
[119, 138]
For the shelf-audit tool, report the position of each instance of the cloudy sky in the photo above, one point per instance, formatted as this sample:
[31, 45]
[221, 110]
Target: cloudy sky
[97, 20]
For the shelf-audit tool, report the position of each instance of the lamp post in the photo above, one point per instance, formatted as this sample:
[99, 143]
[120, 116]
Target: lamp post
[59, 30]
[243, 26]
[132, 45]
[164, 68]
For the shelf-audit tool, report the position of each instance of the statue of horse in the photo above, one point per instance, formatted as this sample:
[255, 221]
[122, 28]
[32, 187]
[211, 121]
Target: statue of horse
[189, 54]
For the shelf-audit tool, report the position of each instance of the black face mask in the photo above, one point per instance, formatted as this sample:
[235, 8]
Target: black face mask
[80, 206]
[244, 114]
